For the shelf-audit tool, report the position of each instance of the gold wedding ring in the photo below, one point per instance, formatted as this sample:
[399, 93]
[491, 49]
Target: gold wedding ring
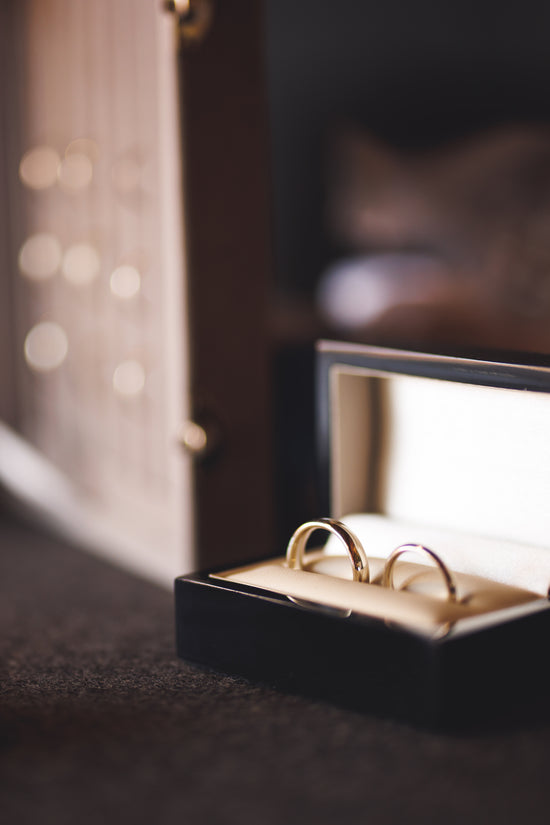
[387, 579]
[297, 545]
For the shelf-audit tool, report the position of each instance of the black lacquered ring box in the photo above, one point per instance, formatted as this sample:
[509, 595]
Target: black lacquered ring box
[452, 454]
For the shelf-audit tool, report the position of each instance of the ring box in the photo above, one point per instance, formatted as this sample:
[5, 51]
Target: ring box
[449, 453]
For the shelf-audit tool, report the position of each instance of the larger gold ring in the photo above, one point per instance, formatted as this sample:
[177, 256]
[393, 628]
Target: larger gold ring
[387, 578]
[297, 544]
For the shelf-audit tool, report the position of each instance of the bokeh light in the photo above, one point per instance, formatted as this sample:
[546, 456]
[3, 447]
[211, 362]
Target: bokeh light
[46, 346]
[38, 167]
[40, 256]
[125, 281]
[81, 264]
[129, 379]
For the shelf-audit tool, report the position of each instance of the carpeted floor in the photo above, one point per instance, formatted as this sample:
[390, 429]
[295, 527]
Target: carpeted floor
[101, 723]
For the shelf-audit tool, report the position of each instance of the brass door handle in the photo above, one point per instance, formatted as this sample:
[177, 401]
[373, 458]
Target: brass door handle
[200, 439]
[194, 18]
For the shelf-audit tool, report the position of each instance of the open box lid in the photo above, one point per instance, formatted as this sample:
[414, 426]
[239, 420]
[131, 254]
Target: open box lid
[456, 449]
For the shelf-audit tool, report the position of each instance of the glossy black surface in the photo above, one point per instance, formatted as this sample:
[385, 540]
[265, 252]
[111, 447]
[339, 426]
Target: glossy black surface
[458, 680]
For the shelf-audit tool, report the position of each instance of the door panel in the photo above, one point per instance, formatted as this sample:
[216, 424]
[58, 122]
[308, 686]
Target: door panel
[228, 260]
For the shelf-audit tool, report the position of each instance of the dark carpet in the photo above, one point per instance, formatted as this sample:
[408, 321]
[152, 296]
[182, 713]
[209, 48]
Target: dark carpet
[100, 722]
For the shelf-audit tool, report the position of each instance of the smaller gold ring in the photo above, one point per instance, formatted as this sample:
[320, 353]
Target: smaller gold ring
[298, 541]
[387, 579]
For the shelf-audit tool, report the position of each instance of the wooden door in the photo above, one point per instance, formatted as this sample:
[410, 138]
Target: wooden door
[227, 243]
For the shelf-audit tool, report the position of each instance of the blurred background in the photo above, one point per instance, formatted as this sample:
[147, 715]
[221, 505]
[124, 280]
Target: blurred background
[196, 192]
[410, 174]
